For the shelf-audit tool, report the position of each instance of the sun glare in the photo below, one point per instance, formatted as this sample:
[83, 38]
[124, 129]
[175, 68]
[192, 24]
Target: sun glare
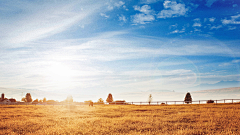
[59, 74]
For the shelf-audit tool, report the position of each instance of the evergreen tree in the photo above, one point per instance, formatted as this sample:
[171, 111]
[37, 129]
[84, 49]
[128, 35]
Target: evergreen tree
[188, 98]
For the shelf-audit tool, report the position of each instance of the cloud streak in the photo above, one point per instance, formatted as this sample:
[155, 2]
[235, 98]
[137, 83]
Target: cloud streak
[42, 22]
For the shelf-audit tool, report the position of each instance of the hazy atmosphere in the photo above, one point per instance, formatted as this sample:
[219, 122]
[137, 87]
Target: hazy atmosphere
[131, 49]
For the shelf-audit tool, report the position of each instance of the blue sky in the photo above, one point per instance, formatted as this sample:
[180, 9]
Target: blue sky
[92, 48]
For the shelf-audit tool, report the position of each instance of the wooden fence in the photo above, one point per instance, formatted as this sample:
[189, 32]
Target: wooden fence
[221, 101]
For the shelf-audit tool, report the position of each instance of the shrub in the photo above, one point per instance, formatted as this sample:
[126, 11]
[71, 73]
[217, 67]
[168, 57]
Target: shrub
[210, 101]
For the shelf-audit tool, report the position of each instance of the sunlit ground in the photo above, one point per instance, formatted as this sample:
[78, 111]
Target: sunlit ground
[120, 119]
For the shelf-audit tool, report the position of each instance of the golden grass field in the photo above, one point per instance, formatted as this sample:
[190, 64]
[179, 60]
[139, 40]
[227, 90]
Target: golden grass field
[120, 119]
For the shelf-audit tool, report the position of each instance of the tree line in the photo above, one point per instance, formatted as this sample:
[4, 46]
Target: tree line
[28, 98]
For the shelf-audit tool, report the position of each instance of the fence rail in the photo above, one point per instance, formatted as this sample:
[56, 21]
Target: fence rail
[220, 101]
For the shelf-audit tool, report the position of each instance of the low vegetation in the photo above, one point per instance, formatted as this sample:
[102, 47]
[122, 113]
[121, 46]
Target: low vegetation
[120, 119]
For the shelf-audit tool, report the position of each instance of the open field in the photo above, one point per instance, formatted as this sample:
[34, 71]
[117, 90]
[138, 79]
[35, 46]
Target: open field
[120, 119]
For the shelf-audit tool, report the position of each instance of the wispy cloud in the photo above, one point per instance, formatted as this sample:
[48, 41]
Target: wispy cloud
[149, 1]
[104, 15]
[146, 15]
[235, 5]
[210, 2]
[233, 20]
[232, 27]
[122, 18]
[37, 23]
[216, 27]
[172, 9]
[112, 4]
[197, 22]
[212, 19]
[230, 63]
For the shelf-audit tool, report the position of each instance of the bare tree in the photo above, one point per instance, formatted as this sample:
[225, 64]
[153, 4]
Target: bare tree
[150, 99]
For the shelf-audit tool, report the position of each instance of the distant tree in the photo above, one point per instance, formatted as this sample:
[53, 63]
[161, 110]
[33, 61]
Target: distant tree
[87, 102]
[28, 98]
[44, 100]
[40, 100]
[23, 99]
[69, 99]
[50, 101]
[109, 98]
[100, 101]
[188, 98]
[36, 100]
[150, 99]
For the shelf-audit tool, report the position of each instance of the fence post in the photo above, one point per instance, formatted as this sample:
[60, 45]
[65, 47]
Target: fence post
[175, 102]
[216, 101]
[224, 101]
[166, 102]
[232, 101]
[199, 102]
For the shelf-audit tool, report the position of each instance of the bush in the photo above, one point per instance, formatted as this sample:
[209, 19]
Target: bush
[210, 101]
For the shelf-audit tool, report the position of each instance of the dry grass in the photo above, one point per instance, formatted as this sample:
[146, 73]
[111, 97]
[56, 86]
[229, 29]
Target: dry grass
[120, 119]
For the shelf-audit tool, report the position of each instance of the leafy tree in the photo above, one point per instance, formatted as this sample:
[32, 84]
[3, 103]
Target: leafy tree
[109, 98]
[36, 100]
[69, 99]
[150, 99]
[23, 99]
[100, 101]
[28, 98]
[40, 100]
[44, 100]
[188, 98]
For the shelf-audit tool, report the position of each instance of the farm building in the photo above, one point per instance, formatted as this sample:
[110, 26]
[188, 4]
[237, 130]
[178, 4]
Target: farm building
[5, 100]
